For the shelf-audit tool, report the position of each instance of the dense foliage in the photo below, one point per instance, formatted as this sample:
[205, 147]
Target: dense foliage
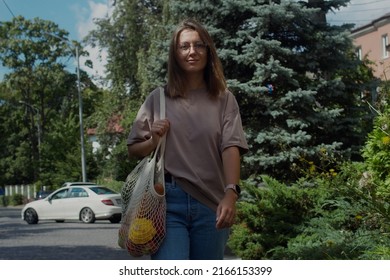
[320, 218]
[376, 152]
[295, 77]
[325, 215]
[39, 105]
[292, 77]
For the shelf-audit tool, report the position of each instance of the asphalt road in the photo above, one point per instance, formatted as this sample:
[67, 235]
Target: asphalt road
[57, 241]
[71, 240]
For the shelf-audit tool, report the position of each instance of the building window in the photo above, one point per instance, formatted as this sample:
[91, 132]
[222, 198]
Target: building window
[385, 43]
[359, 53]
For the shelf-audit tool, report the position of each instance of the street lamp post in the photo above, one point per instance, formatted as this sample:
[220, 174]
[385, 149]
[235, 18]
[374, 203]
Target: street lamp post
[83, 163]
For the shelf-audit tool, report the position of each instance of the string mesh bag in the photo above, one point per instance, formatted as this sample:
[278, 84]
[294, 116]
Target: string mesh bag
[143, 204]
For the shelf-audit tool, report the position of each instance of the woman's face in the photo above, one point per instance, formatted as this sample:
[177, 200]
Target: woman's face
[191, 52]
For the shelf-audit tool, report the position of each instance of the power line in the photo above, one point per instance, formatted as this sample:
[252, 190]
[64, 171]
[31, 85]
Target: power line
[351, 8]
[354, 11]
[351, 20]
[9, 9]
[367, 3]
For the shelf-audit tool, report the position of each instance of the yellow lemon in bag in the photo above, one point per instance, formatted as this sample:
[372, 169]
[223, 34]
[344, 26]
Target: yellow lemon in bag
[141, 231]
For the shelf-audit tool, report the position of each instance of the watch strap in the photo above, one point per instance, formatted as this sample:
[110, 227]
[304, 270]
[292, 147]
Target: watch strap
[233, 187]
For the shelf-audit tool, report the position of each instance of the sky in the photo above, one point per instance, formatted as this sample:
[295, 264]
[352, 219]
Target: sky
[76, 16]
[360, 12]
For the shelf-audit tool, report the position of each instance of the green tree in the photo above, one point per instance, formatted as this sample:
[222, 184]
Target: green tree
[15, 159]
[135, 38]
[295, 77]
[40, 94]
[110, 125]
[131, 37]
[290, 72]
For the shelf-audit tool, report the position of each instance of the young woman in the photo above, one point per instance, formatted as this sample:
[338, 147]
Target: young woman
[205, 140]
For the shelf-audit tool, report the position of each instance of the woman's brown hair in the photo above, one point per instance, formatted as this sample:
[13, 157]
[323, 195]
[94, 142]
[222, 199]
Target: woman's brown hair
[213, 72]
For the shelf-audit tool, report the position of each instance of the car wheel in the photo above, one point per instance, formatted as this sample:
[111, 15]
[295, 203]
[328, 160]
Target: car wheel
[60, 221]
[31, 216]
[87, 216]
[115, 219]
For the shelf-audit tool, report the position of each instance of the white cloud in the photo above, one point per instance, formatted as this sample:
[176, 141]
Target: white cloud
[86, 16]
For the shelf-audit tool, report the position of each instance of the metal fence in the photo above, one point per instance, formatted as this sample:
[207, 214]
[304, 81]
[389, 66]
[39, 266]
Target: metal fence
[28, 191]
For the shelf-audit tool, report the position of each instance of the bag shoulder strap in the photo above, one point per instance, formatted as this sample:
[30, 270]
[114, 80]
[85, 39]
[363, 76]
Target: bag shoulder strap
[162, 116]
[162, 103]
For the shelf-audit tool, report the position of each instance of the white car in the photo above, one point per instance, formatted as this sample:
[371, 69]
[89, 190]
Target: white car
[85, 202]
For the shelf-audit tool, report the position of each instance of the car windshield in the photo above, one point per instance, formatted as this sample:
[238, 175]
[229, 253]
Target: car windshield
[102, 190]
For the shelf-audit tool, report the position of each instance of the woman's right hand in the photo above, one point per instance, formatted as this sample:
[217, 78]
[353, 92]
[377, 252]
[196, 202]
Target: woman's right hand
[143, 149]
[159, 129]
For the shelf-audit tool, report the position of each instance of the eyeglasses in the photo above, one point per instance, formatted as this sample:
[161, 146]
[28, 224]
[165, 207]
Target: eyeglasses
[198, 47]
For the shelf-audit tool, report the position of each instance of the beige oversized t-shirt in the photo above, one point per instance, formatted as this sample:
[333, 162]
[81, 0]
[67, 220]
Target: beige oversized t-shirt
[200, 129]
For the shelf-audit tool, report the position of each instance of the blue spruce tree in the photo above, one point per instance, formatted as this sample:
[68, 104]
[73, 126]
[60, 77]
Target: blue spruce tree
[291, 74]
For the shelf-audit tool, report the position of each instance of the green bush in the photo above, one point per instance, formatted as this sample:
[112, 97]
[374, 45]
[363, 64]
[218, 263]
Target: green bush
[348, 224]
[333, 218]
[3, 200]
[17, 199]
[269, 216]
[377, 154]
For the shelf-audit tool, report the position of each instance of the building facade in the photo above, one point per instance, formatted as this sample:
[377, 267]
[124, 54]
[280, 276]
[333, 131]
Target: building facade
[372, 40]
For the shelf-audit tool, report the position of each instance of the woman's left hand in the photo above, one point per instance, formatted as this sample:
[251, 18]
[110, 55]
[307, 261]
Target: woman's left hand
[226, 211]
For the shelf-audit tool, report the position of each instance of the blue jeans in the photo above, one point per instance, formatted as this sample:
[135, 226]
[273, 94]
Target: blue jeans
[190, 227]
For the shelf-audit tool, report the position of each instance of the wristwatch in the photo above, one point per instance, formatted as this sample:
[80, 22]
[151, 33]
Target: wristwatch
[234, 187]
